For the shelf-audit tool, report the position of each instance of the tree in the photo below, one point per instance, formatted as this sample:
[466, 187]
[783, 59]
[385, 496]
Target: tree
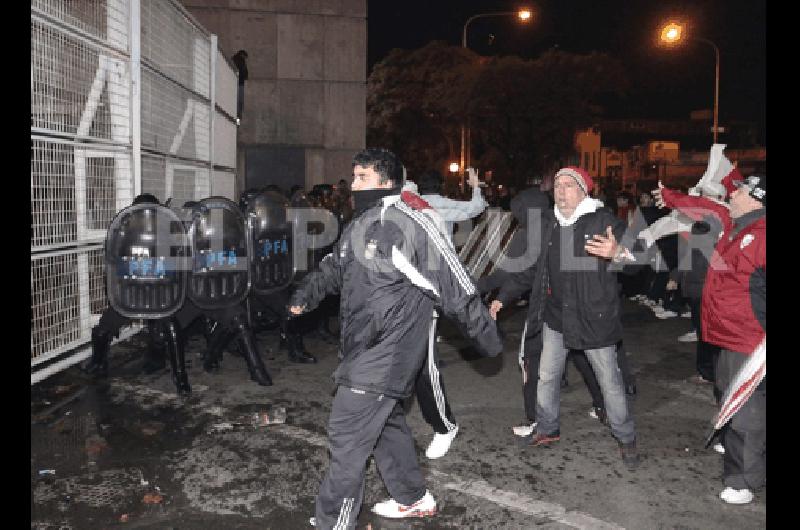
[416, 100]
[523, 114]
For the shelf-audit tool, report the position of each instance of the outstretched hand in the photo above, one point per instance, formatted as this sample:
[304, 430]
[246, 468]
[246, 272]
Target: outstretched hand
[472, 180]
[603, 246]
[657, 195]
[297, 309]
[494, 307]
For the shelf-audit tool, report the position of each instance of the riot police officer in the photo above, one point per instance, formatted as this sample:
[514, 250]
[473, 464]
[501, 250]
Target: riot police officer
[145, 279]
[220, 283]
[273, 268]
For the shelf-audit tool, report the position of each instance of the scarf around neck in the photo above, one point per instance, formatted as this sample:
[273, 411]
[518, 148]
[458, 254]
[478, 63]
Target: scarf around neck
[587, 205]
[365, 199]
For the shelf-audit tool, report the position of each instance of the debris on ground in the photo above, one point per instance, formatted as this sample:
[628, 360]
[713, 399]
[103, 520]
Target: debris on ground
[123, 518]
[95, 445]
[273, 416]
[63, 389]
[43, 472]
[153, 498]
[64, 425]
[151, 428]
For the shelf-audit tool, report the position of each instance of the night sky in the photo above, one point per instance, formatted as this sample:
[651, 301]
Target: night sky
[665, 83]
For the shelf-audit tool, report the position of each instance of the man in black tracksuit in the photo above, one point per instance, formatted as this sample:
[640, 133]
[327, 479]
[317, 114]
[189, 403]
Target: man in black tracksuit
[392, 267]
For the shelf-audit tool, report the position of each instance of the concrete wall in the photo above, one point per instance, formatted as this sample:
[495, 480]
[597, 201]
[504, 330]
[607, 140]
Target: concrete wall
[305, 98]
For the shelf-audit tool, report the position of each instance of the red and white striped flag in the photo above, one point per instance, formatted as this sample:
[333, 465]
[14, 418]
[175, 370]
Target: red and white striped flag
[743, 385]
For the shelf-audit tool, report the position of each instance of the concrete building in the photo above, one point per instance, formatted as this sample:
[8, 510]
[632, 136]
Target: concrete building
[304, 112]
[634, 155]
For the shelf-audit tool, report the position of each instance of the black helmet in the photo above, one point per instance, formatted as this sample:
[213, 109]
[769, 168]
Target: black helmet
[146, 198]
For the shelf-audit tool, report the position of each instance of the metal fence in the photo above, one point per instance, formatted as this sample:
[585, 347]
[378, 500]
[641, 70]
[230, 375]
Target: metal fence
[122, 102]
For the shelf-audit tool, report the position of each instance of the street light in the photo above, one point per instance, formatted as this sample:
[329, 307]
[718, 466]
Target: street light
[523, 15]
[454, 167]
[672, 33]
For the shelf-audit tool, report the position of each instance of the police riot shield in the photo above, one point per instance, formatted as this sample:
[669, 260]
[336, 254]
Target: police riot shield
[147, 255]
[220, 271]
[271, 236]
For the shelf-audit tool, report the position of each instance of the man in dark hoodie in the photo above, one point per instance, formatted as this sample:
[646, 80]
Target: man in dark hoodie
[574, 304]
[392, 266]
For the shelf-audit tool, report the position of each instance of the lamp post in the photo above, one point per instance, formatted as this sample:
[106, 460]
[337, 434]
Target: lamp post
[523, 15]
[673, 33]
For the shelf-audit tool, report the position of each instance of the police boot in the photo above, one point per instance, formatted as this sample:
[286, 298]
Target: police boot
[247, 346]
[177, 359]
[98, 363]
[297, 353]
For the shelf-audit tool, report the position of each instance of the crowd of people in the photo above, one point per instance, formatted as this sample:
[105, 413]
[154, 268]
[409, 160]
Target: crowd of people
[700, 255]
[393, 272]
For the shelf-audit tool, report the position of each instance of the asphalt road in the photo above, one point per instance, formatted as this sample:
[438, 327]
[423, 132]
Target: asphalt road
[128, 453]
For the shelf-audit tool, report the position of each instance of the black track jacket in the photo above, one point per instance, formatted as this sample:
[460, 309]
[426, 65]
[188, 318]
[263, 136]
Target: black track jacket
[392, 267]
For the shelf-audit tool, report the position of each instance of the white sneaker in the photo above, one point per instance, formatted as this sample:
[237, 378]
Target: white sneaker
[690, 336]
[732, 496]
[686, 314]
[313, 521]
[524, 430]
[718, 447]
[666, 313]
[440, 444]
[424, 507]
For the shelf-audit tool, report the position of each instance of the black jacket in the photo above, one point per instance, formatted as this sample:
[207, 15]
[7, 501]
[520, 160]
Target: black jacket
[702, 240]
[392, 267]
[590, 309]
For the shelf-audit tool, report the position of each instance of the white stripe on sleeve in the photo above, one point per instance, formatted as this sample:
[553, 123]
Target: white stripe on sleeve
[405, 266]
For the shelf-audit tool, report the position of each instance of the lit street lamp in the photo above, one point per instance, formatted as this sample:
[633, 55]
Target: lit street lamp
[672, 33]
[524, 15]
[454, 167]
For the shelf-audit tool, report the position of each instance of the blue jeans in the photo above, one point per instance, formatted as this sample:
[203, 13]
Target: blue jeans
[604, 364]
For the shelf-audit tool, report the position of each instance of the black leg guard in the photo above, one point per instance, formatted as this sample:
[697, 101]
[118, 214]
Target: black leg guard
[247, 346]
[217, 341]
[297, 353]
[177, 358]
[98, 363]
[154, 357]
[284, 334]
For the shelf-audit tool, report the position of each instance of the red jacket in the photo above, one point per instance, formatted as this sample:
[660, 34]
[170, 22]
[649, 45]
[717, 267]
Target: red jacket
[734, 312]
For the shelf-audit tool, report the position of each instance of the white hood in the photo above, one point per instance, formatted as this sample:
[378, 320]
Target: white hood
[587, 205]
